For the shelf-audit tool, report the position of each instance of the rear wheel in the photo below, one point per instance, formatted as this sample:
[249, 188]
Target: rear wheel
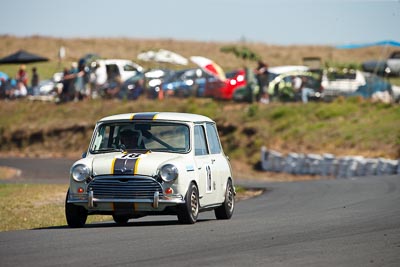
[188, 212]
[225, 211]
[76, 215]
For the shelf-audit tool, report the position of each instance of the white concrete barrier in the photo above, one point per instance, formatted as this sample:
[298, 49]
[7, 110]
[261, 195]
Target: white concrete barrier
[327, 164]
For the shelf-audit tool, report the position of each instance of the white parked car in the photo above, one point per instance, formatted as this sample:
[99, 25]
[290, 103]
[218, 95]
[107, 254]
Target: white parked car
[110, 68]
[151, 164]
[393, 63]
[342, 83]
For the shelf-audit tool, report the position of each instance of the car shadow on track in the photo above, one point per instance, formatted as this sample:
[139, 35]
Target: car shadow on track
[108, 224]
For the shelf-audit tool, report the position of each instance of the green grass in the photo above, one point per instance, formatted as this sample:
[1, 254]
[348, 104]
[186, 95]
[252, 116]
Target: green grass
[32, 206]
[341, 127]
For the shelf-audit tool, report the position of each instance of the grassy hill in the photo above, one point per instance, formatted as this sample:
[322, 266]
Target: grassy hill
[343, 127]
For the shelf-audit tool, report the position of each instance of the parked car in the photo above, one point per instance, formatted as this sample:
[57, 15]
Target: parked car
[396, 93]
[234, 79]
[278, 70]
[374, 85]
[151, 164]
[393, 63]
[184, 83]
[378, 67]
[121, 68]
[281, 87]
[154, 79]
[191, 82]
[341, 82]
[355, 83]
[389, 66]
[241, 93]
[133, 87]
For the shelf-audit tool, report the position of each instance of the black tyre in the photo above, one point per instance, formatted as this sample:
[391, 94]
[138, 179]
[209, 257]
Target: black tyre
[76, 215]
[120, 219]
[225, 211]
[189, 212]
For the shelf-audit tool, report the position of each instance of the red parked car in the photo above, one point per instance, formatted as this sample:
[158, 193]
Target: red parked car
[224, 91]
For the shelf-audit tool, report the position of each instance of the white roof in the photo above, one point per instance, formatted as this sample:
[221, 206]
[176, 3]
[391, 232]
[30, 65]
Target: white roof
[159, 116]
[283, 69]
[119, 61]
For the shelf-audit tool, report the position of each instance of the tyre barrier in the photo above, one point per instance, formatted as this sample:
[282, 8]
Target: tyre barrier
[327, 164]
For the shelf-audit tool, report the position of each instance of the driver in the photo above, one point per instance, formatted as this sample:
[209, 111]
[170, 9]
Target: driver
[130, 139]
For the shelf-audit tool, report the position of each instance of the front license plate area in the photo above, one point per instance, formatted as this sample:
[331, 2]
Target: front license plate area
[124, 208]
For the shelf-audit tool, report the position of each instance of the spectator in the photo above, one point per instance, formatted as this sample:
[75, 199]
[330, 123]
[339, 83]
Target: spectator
[67, 82]
[22, 76]
[100, 78]
[297, 84]
[250, 84]
[9, 87]
[34, 82]
[20, 91]
[78, 86]
[3, 86]
[305, 91]
[80, 83]
[262, 76]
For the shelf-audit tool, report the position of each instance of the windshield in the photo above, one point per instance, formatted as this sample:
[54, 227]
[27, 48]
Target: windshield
[154, 136]
[231, 74]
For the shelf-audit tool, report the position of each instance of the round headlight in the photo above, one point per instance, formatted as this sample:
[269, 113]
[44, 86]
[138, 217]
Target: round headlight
[168, 172]
[80, 172]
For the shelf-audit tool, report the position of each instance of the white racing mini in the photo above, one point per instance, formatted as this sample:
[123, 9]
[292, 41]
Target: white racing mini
[151, 164]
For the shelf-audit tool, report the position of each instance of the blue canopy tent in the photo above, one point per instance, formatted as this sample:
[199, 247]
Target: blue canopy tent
[380, 43]
[380, 66]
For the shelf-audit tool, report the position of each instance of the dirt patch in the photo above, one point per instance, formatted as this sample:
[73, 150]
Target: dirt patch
[7, 173]
[248, 193]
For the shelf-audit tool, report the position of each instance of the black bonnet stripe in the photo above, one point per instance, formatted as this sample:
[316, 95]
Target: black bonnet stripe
[144, 116]
[124, 165]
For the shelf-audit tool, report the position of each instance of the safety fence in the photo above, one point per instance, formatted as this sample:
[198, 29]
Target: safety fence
[327, 164]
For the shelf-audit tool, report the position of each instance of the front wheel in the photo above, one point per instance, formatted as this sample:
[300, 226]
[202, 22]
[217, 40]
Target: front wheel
[76, 215]
[121, 219]
[188, 212]
[225, 211]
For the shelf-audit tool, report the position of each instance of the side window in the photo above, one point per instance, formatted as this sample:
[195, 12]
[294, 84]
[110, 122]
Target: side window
[104, 138]
[112, 71]
[215, 145]
[100, 141]
[200, 144]
[128, 67]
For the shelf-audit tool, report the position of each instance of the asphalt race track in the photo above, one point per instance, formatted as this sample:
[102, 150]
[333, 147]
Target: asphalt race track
[341, 222]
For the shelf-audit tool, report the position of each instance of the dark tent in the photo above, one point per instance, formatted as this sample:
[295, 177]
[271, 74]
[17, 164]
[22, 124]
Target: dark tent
[22, 57]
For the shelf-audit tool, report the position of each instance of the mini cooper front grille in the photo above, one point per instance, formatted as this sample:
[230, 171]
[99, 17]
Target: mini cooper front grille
[125, 188]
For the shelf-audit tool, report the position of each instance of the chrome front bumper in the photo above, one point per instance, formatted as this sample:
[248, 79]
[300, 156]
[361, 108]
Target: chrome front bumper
[90, 201]
[145, 192]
